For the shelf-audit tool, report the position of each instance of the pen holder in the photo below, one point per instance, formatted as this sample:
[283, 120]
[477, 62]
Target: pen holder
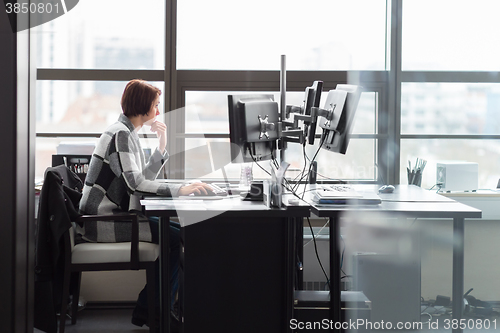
[414, 177]
[272, 194]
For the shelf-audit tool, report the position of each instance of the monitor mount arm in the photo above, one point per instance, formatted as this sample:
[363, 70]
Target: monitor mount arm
[293, 109]
[265, 126]
[307, 119]
[327, 114]
[290, 135]
[297, 134]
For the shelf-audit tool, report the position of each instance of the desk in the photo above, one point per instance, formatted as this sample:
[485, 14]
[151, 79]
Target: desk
[485, 200]
[407, 201]
[237, 263]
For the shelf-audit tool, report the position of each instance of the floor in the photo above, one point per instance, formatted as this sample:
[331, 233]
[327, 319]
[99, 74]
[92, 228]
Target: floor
[118, 320]
[103, 321]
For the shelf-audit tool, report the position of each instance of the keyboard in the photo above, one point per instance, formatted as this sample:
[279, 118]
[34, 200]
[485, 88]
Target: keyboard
[215, 191]
[215, 194]
[339, 188]
[344, 194]
[218, 191]
[337, 191]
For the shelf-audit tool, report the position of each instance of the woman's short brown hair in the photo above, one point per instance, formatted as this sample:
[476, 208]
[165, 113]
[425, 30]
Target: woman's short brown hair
[138, 97]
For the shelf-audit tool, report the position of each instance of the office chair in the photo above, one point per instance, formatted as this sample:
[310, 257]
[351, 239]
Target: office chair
[84, 257]
[61, 197]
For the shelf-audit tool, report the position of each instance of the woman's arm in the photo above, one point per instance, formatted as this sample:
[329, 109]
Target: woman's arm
[161, 131]
[123, 159]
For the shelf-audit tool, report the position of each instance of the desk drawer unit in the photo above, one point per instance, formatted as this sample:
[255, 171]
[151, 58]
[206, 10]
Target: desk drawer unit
[232, 275]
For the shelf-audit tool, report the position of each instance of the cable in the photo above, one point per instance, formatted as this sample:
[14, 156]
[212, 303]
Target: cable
[323, 137]
[306, 175]
[301, 175]
[287, 184]
[340, 181]
[342, 256]
[317, 255]
[439, 185]
[318, 233]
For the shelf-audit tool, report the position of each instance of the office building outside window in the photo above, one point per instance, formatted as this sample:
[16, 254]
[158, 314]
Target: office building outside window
[449, 91]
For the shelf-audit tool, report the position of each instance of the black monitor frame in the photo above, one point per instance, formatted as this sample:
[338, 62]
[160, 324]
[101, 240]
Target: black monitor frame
[253, 127]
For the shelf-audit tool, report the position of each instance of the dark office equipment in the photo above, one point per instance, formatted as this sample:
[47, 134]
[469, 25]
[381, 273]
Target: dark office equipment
[256, 192]
[236, 269]
[313, 307]
[79, 164]
[253, 127]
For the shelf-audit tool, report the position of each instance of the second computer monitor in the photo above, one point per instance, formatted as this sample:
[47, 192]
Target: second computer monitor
[336, 132]
[313, 97]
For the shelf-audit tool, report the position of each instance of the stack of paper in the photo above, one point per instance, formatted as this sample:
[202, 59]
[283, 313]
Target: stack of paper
[345, 195]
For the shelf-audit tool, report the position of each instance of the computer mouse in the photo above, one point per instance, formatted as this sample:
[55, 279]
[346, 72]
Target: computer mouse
[386, 189]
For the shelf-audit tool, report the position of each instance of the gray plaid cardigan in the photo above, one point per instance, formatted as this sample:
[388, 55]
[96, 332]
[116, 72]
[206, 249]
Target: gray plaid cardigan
[116, 179]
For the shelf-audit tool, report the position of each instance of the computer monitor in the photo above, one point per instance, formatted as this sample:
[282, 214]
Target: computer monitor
[343, 102]
[313, 97]
[293, 132]
[253, 127]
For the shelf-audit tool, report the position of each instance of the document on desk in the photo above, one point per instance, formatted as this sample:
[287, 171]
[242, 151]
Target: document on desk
[344, 196]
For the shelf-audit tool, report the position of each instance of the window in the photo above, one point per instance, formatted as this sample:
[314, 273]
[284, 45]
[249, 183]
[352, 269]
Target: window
[105, 35]
[315, 35]
[449, 89]
[450, 35]
[436, 92]
[79, 107]
[85, 60]
[462, 108]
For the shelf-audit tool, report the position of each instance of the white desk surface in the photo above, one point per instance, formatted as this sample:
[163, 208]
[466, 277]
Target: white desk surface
[408, 200]
[486, 200]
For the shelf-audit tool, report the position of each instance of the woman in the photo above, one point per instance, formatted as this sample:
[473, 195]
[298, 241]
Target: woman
[118, 176]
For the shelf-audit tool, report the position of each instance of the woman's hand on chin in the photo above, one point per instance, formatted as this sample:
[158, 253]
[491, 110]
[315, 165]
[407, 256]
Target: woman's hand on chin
[161, 131]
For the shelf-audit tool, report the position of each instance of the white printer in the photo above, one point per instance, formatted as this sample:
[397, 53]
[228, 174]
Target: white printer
[457, 176]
